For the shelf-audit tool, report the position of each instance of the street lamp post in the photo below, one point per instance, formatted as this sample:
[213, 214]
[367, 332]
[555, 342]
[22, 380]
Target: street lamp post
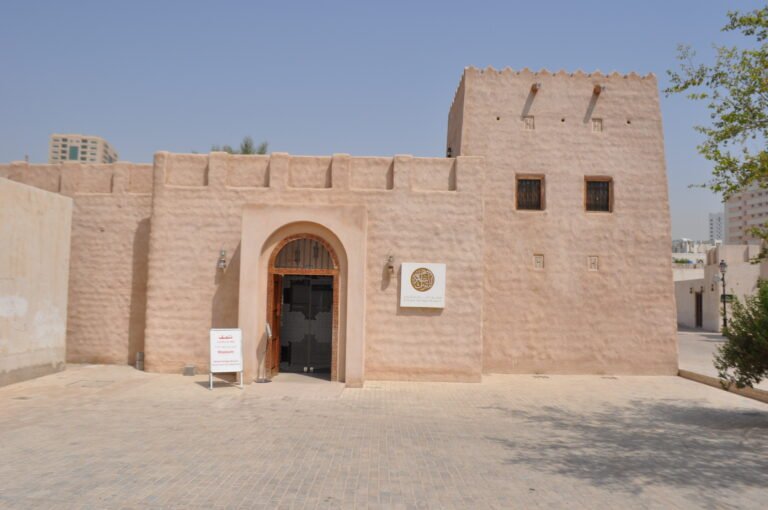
[723, 269]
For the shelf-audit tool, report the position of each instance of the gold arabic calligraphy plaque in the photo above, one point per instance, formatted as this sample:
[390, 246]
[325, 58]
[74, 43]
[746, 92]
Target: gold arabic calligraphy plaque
[422, 279]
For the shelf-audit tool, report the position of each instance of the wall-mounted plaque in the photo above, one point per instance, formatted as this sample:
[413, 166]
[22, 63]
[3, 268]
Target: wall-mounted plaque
[422, 285]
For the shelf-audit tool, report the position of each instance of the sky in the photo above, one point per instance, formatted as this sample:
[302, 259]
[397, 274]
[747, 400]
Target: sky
[363, 78]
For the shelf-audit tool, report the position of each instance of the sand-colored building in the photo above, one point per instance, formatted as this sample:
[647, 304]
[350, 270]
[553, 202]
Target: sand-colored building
[745, 211]
[79, 148]
[547, 177]
[699, 297]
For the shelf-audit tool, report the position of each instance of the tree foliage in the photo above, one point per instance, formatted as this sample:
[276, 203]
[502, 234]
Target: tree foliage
[246, 147]
[743, 359]
[735, 88]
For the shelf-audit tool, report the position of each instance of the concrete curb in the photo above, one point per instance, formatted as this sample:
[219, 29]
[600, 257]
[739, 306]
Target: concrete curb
[752, 393]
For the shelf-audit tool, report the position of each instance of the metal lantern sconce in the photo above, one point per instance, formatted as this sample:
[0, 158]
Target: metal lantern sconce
[391, 265]
[222, 262]
[598, 89]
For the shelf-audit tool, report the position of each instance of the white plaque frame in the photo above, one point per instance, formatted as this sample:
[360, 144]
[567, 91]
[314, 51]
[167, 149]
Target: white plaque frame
[226, 353]
[429, 277]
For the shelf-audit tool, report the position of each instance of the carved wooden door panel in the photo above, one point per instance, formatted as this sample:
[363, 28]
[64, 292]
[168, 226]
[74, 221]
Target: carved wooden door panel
[277, 310]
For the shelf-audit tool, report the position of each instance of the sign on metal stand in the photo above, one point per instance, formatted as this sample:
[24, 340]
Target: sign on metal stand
[226, 353]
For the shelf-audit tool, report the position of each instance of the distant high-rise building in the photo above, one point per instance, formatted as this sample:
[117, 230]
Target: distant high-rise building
[743, 211]
[82, 148]
[716, 227]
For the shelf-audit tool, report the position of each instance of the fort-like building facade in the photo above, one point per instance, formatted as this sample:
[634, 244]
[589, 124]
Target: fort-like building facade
[550, 214]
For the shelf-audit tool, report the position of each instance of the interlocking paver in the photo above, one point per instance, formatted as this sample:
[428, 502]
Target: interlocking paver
[112, 437]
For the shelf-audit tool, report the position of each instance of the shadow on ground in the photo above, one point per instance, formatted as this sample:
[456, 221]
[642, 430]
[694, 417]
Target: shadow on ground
[709, 336]
[646, 443]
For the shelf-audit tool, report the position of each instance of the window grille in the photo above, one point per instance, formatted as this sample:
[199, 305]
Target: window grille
[304, 253]
[529, 194]
[598, 195]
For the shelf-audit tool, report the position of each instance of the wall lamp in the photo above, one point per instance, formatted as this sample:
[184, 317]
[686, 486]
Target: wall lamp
[222, 262]
[535, 87]
[598, 89]
[391, 265]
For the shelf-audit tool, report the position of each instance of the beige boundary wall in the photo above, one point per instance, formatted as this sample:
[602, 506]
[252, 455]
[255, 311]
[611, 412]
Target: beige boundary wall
[34, 266]
[110, 236]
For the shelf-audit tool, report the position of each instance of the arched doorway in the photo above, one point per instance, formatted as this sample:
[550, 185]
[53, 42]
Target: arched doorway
[303, 307]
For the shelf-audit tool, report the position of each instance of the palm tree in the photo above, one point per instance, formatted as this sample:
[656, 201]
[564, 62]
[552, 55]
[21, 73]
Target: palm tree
[246, 147]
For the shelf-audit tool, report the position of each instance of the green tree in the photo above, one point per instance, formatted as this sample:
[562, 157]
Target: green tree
[246, 147]
[735, 88]
[743, 359]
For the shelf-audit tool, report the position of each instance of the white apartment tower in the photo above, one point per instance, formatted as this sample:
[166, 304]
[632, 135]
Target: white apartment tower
[81, 148]
[743, 211]
[716, 227]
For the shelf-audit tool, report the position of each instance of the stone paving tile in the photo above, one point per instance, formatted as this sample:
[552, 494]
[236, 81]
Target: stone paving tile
[697, 348]
[112, 437]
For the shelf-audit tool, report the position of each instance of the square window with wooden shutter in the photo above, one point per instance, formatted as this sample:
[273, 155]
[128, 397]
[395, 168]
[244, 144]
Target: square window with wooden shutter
[599, 194]
[530, 192]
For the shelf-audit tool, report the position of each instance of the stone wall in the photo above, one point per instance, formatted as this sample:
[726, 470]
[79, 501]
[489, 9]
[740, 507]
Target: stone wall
[108, 271]
[34, 263]
[565, 318]
[685, 300]
[418, 209]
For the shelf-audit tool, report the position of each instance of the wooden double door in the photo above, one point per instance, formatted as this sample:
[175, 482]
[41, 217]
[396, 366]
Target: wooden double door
[302, 324]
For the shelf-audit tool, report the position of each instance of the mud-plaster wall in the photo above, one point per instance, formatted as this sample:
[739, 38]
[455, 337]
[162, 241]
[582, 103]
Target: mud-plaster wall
[685, 300]
[108, 270]
[455, 121]
[34, 263]
[564, 318]
[418, 209]
[741, 279]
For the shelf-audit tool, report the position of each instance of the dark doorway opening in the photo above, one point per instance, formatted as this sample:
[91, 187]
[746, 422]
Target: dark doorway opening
[306, 325]
[699, 310]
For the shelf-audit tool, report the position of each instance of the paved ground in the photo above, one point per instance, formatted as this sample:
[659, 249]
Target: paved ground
[696, 349]
[113, 437]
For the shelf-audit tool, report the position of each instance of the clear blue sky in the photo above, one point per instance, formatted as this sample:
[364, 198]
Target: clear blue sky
[365, 78]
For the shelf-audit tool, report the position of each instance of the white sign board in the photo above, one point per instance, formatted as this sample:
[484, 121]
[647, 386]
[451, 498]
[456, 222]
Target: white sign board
[422, 285]
[226, 350]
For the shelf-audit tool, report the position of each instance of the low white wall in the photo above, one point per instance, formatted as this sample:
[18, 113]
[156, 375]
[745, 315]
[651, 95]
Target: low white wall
[685, 299]
[687, 273]
[35, 228]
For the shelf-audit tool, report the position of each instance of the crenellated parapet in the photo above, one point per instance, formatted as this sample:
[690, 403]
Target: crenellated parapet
[73, 179]
[326, 174]
[597, 74]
